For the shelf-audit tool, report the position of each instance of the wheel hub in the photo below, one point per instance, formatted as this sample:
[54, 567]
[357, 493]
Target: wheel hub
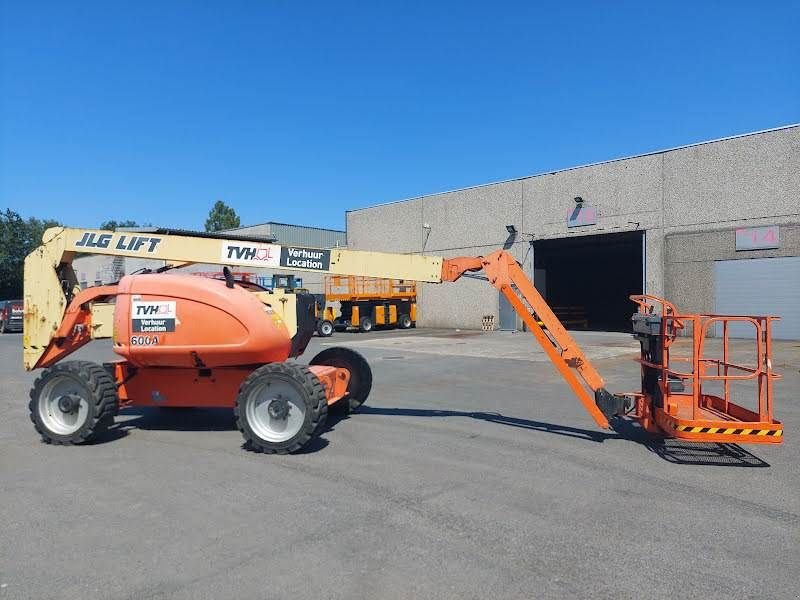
[278, 408]
[69, 403]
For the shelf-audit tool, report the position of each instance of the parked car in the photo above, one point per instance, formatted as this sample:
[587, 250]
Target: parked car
[10, 315]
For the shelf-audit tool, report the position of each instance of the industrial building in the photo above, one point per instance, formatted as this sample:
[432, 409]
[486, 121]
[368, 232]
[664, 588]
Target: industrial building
[713, 226]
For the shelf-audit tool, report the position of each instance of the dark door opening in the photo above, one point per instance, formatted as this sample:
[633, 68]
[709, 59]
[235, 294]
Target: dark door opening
[589, 278]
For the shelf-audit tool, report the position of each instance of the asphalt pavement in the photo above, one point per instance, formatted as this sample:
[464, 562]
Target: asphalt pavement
[471, 472]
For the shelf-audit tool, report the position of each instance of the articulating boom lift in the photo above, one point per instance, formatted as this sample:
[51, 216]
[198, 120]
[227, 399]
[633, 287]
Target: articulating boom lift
[187, 341]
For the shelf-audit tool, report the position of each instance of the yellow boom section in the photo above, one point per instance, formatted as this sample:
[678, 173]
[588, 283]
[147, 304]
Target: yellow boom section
[50, 281]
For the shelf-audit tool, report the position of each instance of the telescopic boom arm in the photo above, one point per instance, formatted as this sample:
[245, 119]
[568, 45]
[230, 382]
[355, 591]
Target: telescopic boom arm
[58, 313]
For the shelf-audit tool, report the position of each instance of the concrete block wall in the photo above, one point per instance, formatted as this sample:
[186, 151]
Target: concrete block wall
[734, 181]
[690, 259]
[390, 228]
[451, 219]
[627, 195]
[745, 181]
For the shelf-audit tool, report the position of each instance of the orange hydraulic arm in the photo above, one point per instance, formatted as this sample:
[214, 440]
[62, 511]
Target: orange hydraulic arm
[503, 272]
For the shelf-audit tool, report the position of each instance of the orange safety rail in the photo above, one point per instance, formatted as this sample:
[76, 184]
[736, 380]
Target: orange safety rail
[352, 288]
[694, 414]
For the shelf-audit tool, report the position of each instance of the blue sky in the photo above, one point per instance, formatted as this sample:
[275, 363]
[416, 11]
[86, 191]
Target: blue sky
[297, 111]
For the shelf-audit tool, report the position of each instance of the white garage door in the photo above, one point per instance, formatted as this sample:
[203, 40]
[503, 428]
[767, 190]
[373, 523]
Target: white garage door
[760, 286]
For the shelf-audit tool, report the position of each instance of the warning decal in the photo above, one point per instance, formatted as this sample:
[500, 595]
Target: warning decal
[152, 316]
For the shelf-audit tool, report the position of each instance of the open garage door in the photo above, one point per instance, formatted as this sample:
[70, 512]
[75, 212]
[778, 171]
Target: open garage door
[587, 279]
[760, 286]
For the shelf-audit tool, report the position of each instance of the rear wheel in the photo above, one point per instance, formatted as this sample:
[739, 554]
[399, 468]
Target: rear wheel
[325, 328]
[360, 375]
[72, 402]
[280, 408]
[365, 325]
[404, 322]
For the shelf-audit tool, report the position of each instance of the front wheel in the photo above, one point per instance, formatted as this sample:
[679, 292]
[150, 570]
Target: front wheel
[72, 402]
[325, 328]
[360, 374]
[2, 327]
[404, 322]
[365, 326]
[280, 408]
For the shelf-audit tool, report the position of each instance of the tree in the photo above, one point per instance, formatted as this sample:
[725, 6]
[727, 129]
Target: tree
[221, 216]
[113, 225]
[18, 238]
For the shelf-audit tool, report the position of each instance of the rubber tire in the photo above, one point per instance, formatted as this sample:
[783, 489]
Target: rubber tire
[314, 396]
[321, 328]
[103, 394]
[2, 327]
[360, 375]
[365, 325]
[404, 322]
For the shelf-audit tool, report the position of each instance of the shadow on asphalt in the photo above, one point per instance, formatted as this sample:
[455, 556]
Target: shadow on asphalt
[574, 432]
[675, 451]
[681, 452]
[189, 419]
[179, 419]
[221, 419]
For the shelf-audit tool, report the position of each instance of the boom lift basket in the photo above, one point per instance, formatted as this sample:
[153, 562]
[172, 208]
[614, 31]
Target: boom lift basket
[678, 402]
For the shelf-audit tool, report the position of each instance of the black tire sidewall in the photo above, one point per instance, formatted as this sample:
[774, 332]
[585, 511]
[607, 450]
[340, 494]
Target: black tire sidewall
[357, 365]
[98, 417]
[321, 328]
[404, 322]
[368, 327]
[288, 373]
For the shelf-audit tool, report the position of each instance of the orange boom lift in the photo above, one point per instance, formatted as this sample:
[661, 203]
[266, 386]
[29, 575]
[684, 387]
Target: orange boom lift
[188, 341]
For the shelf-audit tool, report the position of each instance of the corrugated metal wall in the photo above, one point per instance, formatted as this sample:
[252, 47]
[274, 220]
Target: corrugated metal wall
[297, 235]
[308, 236]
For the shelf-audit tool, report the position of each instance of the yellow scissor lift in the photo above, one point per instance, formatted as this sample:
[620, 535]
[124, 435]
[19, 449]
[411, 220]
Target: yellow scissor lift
[369, 302]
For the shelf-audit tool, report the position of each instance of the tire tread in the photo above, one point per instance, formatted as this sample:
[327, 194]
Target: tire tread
[104, 399]
[339, 356]
[310, 384]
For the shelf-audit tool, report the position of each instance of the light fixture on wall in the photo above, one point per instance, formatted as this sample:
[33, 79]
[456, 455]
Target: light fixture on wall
[426, 227]
[512, 236]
